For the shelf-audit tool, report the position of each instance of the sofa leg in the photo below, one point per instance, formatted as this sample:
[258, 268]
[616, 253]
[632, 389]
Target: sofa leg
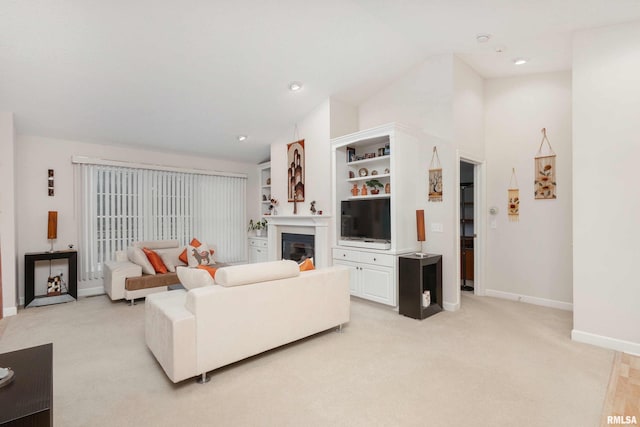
[339, 329]
[204, 378]
[133, 302]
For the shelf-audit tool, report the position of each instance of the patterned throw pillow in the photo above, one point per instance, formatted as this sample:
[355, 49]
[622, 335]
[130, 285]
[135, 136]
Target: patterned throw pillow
[199, 255]
[183, 256]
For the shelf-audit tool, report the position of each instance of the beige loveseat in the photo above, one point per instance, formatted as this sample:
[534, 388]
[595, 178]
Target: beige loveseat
[124, 278]
[250, 309]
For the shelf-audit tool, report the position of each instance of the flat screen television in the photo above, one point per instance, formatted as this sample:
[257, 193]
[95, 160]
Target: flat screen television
[366, 219]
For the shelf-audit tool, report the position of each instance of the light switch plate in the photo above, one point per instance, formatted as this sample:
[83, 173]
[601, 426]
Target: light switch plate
[437, 227]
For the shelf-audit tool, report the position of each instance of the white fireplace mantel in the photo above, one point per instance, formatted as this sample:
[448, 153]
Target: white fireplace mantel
[318, 225]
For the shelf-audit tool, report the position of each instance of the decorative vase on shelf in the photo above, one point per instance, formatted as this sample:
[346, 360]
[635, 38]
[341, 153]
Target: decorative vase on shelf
[258, 233]
[354, 190]
[364, 191]
[375, 191]
[387, 188]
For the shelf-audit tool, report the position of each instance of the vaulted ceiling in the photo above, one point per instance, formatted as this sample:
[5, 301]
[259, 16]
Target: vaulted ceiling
[193, 75]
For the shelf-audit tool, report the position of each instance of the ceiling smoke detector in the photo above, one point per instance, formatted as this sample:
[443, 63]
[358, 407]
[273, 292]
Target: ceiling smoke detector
[483, 38]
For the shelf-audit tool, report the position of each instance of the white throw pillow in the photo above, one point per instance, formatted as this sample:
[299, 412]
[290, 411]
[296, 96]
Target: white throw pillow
[199, 256]
[194, 277]
[170, 258]
[253, 273]
[137, 256]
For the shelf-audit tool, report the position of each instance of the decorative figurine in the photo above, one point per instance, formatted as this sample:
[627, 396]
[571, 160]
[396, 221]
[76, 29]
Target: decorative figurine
[354, 190]
[364, 191]
[313, 207]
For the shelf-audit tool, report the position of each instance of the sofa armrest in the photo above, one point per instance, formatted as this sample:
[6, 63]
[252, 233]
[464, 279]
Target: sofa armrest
[121, 256]
[115, 275]
[170, 334]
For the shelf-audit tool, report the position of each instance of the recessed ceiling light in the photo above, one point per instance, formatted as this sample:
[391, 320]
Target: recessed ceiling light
[295, 86]
[519, 61]
[483, 38]
[242, 138]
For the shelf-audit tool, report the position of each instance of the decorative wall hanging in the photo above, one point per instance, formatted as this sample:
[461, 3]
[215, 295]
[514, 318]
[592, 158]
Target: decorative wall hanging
[514, 197]
[295, 158]
[545, 180]
[50, 182]
[435, 178]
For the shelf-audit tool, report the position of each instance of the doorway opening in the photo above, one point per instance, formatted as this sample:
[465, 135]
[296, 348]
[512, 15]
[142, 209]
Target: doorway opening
[467, 226]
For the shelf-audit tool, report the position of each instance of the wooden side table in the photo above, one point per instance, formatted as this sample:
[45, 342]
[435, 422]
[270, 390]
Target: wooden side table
[28, 399]
[29, 272]
[416, 275]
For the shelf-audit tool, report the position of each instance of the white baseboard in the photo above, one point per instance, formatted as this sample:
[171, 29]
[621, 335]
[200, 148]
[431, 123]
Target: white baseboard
[530, 300]
[9, 311]
[90, 292]
[450, 307]
[606, 342]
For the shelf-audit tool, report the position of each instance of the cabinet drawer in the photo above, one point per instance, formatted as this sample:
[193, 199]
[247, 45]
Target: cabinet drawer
[257, 243]
[378, 259]
[346, 255]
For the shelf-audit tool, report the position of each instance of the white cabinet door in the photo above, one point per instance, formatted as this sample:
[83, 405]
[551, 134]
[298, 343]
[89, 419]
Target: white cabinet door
[354, 276]
[378, 283]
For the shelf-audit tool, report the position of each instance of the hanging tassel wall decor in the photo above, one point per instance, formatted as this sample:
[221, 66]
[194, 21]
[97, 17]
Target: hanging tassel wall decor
[545, 167]
[435, 178]
[513, 208]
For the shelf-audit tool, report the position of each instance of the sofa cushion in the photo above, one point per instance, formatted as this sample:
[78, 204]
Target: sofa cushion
[137, 256]
[170, 258]
[155, 260]
[199, 255]
[156, 244]
[254, 273]
[209, 269]
[192, 278]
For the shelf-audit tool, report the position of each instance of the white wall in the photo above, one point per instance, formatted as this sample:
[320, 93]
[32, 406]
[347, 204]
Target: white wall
[343, 119]
[442, 97]
[531, 258]
[7, 214]
[315, 130]
[34, 155]
[606, 106]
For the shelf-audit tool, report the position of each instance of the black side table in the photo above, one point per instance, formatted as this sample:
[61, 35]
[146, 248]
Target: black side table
[29, 272]
[416, 275]
[28, 399]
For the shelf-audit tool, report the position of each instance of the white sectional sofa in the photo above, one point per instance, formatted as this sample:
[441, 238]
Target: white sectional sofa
[250, 309]
[126, 279]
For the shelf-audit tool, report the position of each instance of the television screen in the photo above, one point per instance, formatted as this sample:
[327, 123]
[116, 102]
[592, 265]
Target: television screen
[366, 219]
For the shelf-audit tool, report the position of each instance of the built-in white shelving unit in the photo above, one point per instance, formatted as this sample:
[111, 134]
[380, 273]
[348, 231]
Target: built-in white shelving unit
[389, 154]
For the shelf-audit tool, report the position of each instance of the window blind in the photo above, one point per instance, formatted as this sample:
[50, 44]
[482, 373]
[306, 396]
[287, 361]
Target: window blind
[120, 205]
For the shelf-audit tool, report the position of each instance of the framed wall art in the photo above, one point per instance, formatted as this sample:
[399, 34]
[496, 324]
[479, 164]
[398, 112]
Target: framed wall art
[295, 172]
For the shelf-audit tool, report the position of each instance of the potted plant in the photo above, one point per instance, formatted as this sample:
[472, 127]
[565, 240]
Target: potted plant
[258, 226]
[374, 184]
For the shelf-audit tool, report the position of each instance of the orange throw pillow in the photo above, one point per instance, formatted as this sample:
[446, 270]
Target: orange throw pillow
[211, 270]
[307, 265]
[183, 256]
[155, 260]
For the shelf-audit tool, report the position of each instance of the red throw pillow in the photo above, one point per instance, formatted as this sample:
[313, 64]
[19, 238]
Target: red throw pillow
[307, 265]
[183, 256]
[211, 270]
[155, 260]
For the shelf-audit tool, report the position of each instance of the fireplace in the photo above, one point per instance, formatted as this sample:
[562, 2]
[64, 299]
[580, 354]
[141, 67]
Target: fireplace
[297, 247]
[314, 226]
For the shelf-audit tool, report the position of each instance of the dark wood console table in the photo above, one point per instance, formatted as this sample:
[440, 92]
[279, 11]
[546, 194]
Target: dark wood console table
[28, 399]
[29, 272]
[416, 275]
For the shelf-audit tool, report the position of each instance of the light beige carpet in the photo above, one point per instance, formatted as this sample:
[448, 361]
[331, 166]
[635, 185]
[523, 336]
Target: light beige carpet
[492, 363]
